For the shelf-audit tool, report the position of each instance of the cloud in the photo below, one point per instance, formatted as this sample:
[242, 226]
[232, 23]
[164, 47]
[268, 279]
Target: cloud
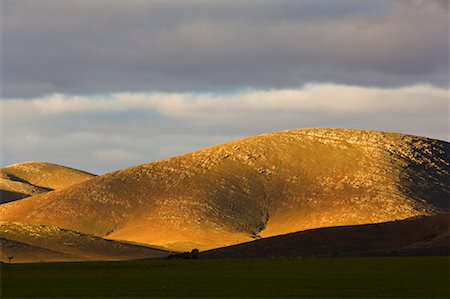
[83, 47]
[329, 98]
[102, 85]
[106, 132]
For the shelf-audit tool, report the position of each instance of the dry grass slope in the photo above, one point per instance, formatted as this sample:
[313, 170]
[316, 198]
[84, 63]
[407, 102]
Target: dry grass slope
[34, 243]
[255, 187]
[45, 175]
[31, 178]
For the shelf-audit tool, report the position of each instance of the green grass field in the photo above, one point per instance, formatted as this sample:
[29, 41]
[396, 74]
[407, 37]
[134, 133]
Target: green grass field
[386, 277]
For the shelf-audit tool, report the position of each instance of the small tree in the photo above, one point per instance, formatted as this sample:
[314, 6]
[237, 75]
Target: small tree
[194, 253]
[185, 255]
[10, 259]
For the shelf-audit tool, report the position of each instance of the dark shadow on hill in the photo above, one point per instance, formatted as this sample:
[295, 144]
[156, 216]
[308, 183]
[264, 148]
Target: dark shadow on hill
[420, 181]
[9, 196]
[427, 236]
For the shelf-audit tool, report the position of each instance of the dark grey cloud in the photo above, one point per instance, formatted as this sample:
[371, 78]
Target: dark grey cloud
[103, 46]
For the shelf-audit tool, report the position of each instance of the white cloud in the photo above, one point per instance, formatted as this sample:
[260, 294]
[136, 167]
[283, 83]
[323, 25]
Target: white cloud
[103, 133]
[329, 98]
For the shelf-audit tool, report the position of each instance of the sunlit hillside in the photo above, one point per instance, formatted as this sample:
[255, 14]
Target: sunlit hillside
[255, 187]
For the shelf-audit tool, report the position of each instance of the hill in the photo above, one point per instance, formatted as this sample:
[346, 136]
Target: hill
[39, 243]
[18, 252]
[260, 186]
[422, 236]
[45, 175]
[31, 178]
[13, 190]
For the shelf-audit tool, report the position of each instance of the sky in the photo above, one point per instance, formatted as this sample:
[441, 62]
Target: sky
[102, 85]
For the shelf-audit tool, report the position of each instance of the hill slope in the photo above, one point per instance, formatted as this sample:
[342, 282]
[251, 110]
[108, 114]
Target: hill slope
[18, 252]
[255, 187]
[423, 236]
[35, 243]
[13, 190]
[31, 178]
[45, 175]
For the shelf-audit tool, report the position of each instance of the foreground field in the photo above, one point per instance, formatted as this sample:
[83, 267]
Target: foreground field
[387, 277]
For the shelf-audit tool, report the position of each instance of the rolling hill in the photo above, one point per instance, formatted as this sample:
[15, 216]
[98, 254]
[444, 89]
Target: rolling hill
[260, 186]
[13, 190]
[39, 243]
[31, 178]
[421, 236]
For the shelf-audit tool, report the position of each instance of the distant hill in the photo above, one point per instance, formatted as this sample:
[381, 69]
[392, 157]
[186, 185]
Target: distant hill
[422, 236]
[31, 178]
[38, 243]
[13, 190]
[45, 175]
[255, 187]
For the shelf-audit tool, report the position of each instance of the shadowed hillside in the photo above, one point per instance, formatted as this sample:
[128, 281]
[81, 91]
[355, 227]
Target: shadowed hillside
[34, 243]
[423, 236]
[18, 252]
[31, 178]
[255, 187]
[14, 190]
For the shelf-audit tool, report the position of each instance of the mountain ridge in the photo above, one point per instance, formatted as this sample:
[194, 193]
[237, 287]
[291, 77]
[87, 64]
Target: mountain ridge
[259, 186]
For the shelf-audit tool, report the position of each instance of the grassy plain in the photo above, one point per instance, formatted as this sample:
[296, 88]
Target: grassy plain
[380, 277]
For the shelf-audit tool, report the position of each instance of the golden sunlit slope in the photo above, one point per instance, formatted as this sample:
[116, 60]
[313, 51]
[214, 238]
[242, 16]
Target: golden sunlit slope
[34, 243]
[255, 187]
[46, 175]
[30, 178]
